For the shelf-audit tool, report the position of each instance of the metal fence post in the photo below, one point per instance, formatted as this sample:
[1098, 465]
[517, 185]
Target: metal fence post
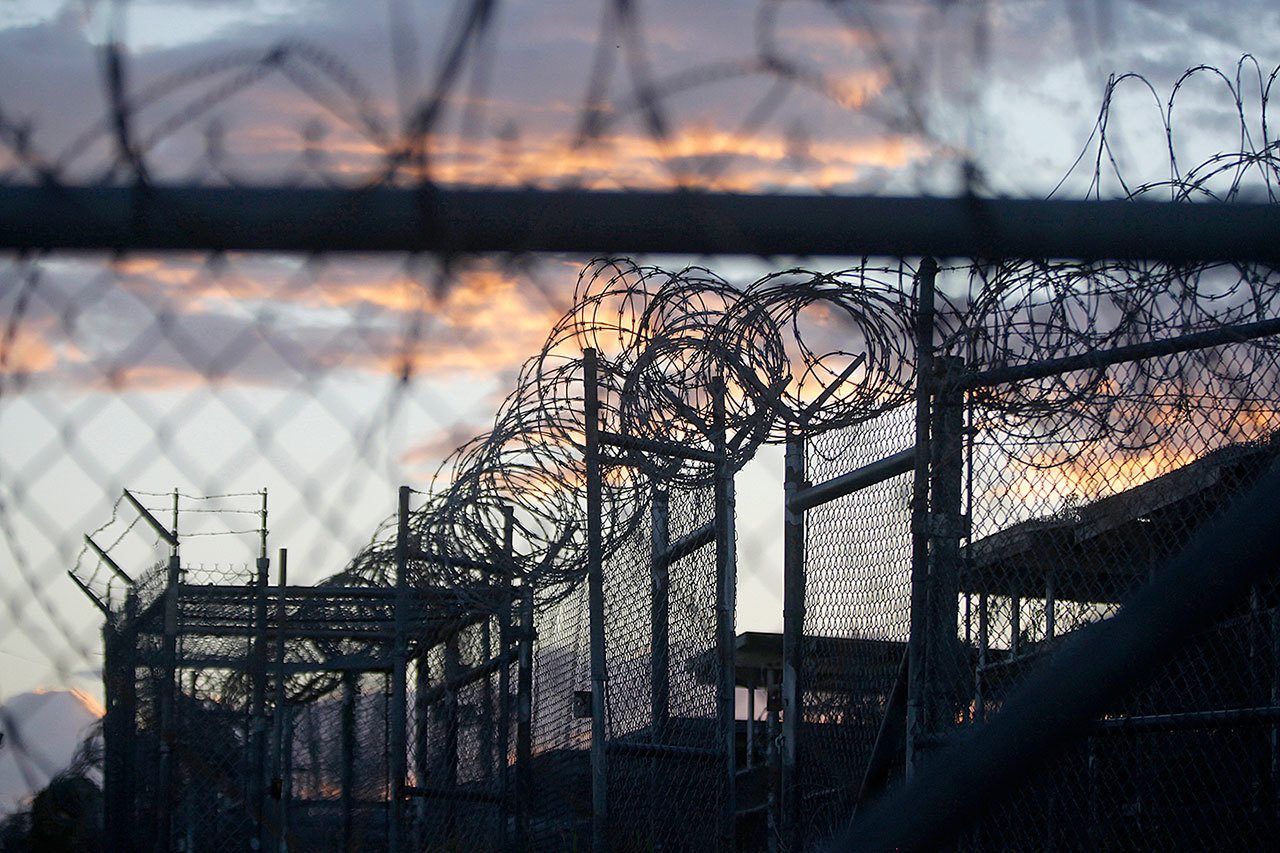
[726, 603]
[279, 759]
[792, 647]
[659, 628]
[399, 675]
[504, 680]
[524, 719]
[168, 695]
[917, 653]
[257, 705]
[348, 757]
[119, 672]
[595, 605]
[945, 668]
[452, 719]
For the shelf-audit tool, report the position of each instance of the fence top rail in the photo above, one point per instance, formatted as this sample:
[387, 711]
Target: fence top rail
[304, 219]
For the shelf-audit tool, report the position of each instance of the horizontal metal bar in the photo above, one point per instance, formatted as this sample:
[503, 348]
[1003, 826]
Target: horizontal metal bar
[294, 631]
[662, 448]
[458, 794]
[474, 674]
[1188, 720]
[459, 561]
[1119, 355]
[297, 219]
[662, 750]
[243, 663]
[240, 592]
[691, 541]
[868, 475]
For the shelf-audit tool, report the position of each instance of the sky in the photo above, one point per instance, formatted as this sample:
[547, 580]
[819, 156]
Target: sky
[235, 373]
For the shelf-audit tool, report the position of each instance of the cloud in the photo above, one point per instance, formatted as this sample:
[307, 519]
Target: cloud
[160, 322]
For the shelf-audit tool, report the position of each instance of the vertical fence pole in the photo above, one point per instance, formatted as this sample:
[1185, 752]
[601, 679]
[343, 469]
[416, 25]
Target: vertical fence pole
[257, 706]
[119, 674]
[726, 605]
[504, 680]
[452, 669]
[916, 649]
[524, 719]
[278, 761]
[945, 665]
[399, 675]
[286, 785]
[168, 693]
[348, 757]
[659, 651]
[595, 604]
[793, 583]
[421, 682]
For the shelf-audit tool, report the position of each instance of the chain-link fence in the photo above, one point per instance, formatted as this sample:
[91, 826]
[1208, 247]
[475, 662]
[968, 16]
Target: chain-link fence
[539, 652]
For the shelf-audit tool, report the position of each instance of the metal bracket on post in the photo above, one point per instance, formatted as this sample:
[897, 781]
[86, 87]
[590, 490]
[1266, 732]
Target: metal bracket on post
[726, 604]
[399, 675]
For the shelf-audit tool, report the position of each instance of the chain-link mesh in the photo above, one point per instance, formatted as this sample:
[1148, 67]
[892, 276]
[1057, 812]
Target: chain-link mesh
[857, 609]
[1064, 530]
[247, 711]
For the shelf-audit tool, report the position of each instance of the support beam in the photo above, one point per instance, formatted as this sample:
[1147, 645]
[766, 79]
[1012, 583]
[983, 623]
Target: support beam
[424, 219]
[661, 448]
[1102, 359]
[846, 484]
[690, 542]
